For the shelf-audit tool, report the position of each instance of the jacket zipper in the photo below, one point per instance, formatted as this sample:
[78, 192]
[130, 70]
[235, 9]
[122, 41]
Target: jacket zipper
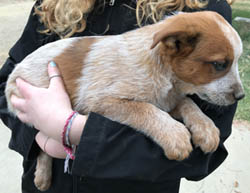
[111, 2]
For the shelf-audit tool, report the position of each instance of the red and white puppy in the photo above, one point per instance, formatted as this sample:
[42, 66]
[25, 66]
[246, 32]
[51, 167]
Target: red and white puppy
[141, 76]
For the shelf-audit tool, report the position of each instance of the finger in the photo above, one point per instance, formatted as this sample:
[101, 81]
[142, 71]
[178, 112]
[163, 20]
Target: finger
[50, 146]
[55, 149]
[41, 140]
[18, 103]
[24, 88]
[23, 117]
[55, 76]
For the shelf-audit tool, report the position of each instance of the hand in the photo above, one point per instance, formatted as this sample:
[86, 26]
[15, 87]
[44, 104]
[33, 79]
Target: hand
[46, 109]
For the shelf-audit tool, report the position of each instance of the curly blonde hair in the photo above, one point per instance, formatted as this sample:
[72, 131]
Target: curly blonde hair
[66, 17]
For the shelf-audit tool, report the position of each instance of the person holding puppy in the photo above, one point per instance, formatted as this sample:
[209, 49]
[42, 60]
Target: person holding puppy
[110, 157]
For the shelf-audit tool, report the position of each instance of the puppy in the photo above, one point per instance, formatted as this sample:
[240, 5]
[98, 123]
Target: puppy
[142, 78]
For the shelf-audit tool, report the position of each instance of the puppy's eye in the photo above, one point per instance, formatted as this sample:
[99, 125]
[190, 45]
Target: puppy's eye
[219, 65]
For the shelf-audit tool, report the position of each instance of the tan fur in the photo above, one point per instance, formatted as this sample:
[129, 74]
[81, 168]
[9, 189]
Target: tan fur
[204, 132]
[43, 173]
[160, 126]
[139, 77]
[70, 63]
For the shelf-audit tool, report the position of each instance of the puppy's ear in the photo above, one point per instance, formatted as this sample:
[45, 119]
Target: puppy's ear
[177, 40]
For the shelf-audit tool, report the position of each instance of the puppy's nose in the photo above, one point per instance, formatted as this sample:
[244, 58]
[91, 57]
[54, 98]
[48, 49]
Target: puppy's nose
[239, 96]
[238, 92]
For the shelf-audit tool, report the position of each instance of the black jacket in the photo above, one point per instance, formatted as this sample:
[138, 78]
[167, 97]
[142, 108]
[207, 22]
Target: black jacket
[111, 156]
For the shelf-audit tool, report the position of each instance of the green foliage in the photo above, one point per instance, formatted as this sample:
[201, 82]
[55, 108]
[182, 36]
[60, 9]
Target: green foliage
[241, 8]
[243, 28]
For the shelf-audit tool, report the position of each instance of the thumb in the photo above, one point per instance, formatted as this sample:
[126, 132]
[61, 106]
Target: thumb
[24, 88]
[54, 76]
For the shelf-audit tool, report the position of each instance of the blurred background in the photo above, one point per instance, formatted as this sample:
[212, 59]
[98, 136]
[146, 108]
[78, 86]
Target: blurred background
[233, 176]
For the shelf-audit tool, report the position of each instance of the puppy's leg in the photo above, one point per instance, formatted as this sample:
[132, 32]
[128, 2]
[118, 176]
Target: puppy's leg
[43, 173]
[171, 135]
[204, 132]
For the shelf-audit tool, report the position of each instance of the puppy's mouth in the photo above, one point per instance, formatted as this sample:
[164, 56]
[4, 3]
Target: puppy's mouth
[205, 97]
[220, 101]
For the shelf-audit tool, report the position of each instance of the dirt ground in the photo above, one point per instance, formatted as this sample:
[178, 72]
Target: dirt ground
[233, 176]
[13, 16]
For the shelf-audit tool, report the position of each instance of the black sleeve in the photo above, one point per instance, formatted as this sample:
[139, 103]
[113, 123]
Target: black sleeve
[110, 150]
[22, 136]
[221, 7]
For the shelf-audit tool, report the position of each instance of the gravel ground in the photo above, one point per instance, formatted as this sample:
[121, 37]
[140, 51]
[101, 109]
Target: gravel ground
[232, 176]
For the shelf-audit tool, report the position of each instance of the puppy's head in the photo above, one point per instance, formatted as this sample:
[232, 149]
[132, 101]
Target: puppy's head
[203, 51]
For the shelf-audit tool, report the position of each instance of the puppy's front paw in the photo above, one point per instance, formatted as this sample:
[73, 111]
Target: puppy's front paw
[176, 142]
[205, 135]
[43, 173]
[42, 179]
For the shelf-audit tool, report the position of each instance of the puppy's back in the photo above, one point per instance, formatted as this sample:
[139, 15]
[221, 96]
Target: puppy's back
[33, 68]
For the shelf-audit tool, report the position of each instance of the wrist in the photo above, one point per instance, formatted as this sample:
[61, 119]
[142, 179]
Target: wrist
[60, 121]
[54, 129]
[77, 129]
